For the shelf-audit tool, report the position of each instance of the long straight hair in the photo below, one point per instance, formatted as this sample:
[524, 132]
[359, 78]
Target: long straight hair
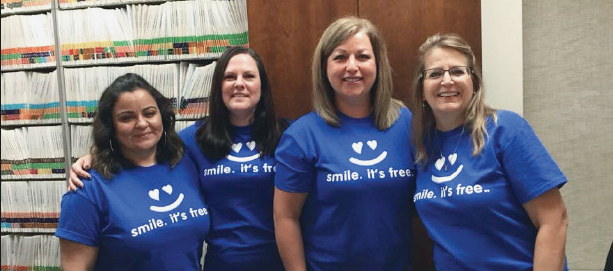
[214, 137]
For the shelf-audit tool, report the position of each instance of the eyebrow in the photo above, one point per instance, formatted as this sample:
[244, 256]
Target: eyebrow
[132, 112]
[344, 51]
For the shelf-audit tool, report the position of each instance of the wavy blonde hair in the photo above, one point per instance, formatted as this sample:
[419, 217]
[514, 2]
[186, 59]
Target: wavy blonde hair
[386, 109]
[424, 124]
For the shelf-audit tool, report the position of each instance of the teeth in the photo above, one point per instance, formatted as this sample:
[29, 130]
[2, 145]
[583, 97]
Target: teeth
[352, 79]
[448, 94]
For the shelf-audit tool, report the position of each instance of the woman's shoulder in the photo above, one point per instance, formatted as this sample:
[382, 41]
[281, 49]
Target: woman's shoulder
[305, 121]
[506, 118]
[190, 130]
[93, 188]
[405, 113]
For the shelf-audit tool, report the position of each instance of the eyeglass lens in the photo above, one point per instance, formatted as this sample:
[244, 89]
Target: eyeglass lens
[437, 73]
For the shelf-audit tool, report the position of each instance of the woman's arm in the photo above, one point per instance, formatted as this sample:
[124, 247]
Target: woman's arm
[287, 210]
[76, 256]
[78, 169]
[548, 214]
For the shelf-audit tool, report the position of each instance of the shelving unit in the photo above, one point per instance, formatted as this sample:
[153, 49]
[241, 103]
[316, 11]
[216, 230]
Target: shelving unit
[77, 49]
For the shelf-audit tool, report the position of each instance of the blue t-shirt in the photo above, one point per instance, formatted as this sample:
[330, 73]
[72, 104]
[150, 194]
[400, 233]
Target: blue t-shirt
[144, 218]
[239, 191]
[473, 211]
[357, 215]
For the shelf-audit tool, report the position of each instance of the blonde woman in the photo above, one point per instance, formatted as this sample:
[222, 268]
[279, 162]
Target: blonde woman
[344, 171]
[487, 189]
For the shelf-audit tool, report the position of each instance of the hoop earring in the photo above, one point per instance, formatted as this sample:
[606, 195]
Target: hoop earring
[111, 144]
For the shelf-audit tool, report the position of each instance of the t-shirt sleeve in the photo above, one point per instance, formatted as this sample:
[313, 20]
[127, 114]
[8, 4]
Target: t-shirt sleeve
[529, 167]
[188, 137]
[79, 220]
[294, 170]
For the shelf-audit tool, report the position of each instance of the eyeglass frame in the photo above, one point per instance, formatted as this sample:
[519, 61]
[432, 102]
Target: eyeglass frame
[422, 75]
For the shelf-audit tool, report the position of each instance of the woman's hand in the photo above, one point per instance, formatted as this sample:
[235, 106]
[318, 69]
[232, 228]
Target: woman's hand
[78, 169]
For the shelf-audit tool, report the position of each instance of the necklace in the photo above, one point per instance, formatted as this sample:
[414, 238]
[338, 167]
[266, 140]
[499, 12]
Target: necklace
[452, 157]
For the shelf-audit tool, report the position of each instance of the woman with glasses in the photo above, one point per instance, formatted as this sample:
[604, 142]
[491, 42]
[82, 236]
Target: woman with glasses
[487, 190]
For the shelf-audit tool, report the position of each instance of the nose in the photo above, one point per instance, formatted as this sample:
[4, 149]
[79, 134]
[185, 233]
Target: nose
[351, 64]
[141, 122]
[447, 79]
[240, 82]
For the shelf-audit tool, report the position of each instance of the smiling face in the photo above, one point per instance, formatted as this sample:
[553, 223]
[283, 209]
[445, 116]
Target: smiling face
[351, 70]
[450, 94]
[138, 126]
[241, 88]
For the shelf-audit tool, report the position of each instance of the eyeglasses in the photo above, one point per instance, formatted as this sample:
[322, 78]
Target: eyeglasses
[438, 73]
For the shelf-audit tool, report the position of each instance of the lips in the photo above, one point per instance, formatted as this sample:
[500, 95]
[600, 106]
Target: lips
[448, 94]
[141, 135]
[352, 79]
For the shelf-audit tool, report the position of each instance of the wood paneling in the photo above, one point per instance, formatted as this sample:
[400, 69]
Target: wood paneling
[406, 24]
[285, 33]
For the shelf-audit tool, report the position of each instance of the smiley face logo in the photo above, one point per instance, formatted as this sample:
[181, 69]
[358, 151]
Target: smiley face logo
[357, 147]
[155, 194]
[440, 163]
[236, 147]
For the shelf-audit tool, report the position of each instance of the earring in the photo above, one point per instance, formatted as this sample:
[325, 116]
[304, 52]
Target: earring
[165, 136]
[423, 104]
[111, 144]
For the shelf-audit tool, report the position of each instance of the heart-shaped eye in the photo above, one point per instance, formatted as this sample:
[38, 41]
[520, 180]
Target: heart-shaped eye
[154, 194]
[372, 144]
[168, 189]
[452, 158]
[439, 163]
[250, 145]
[357, 147]
[237, 147]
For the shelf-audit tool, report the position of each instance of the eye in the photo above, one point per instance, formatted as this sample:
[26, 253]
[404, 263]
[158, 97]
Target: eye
[339, 57]
[435, 73]
[125, 118]
[229, 77]
[150, 113]
[457, 71]
[364, 56]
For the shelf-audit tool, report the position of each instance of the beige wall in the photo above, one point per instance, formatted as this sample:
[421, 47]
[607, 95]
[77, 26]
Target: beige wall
[501, 35]
[568, 99]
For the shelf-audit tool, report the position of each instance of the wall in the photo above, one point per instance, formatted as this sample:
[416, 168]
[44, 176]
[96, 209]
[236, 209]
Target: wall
[502, 65]
[568, 99]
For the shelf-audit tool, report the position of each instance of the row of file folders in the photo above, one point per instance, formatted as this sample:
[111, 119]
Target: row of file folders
[29, 6]
[177, 30]
[31, 206]
[30, 97]
[37, 152]
[38, 252]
